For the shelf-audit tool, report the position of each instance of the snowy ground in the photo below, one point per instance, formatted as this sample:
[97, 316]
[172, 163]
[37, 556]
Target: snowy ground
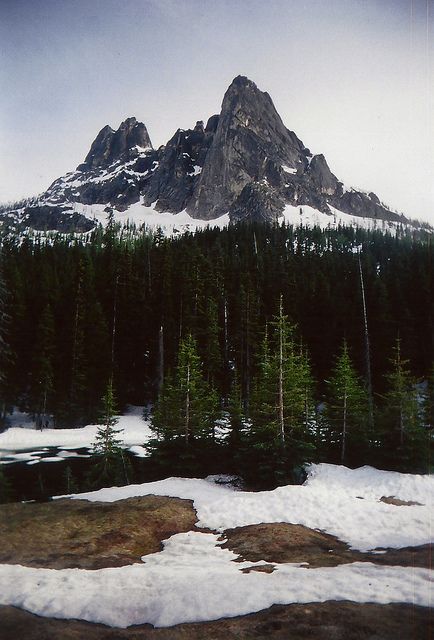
[25, 443]
[194, 579]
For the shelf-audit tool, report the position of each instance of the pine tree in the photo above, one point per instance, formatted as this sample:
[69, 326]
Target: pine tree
[107, 449]
[282, 406]
[5, 352]
[347, 411]
[405, 438]
[186, 407]
[76, 411]
[42, 383]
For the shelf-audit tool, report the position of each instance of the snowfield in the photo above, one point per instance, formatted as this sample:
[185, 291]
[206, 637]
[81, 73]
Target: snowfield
[135, 432]
[194, 579]
[337, 500]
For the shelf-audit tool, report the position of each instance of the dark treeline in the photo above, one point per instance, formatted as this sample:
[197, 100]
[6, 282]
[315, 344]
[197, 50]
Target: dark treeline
[78, 314]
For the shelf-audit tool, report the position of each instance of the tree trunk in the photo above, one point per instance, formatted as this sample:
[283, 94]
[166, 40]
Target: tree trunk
[187, 408]
[160, 359]
[344, 429]
[281, 413]
[367, 347]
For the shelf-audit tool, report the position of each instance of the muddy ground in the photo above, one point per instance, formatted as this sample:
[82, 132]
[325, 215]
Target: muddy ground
[65, 533]
[324, 621]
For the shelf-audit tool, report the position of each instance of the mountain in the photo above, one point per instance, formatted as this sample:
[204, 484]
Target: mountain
[243, 165]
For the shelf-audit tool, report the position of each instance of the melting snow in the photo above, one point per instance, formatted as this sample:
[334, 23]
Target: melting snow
[329, 501]
[194, 579]
[135, 432]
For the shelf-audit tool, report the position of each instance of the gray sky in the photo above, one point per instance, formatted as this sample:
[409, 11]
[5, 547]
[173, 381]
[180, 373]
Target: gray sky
[353, 78]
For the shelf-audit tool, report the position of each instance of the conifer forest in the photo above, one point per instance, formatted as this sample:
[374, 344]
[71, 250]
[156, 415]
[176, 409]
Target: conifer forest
[302, 344]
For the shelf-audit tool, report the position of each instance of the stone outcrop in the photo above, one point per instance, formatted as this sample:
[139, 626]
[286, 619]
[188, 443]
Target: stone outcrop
[110, 145]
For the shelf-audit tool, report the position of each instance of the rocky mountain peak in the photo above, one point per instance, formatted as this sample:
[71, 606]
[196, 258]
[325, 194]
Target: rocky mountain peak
[110, 145]
[249, 136]
[244, 162]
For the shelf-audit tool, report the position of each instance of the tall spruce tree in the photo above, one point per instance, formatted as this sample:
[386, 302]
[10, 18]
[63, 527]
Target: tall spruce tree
[5, 353]
[282, 403]
[347, 413]
[186, 409]
[42, 375]
[110, 464]
[405, 438]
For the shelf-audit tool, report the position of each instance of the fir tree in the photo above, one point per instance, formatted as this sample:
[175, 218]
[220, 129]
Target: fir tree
[282, 403]
[43, 369]
[5, 353]
[107, 449]
[186, 407]
[186, 411]
[347, 411]
[405, 440]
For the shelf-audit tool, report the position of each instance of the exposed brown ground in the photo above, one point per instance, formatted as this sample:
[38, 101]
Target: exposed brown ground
[325, 621]
[397, 502]
[281, 542]
[75, 533]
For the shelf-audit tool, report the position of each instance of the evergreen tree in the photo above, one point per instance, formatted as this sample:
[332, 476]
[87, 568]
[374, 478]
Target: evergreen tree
[42, 383]
[185, 413]
[5, 353]
[186, 408]
[282, 404]
[428, 401]
[405, 438]
[110, 464]
[76, 409]
[347, 412]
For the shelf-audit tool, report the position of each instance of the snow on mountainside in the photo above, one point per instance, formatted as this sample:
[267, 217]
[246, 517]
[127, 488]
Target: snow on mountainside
[243, 165]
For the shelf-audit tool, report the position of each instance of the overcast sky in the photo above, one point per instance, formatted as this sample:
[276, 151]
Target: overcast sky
[353, 78]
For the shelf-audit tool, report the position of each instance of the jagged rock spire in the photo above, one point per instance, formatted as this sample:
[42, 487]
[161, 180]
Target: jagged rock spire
[110, 145]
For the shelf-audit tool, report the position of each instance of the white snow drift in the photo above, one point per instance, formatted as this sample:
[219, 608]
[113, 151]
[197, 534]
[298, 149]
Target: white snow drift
[134, 432]
[194, 579]
[340, 501]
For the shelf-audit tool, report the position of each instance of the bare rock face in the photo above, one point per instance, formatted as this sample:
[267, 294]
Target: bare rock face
[250, 140]
[110, 145]
[257, 202]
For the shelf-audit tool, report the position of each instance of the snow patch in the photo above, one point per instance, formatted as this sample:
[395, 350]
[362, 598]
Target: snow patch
[328, 501]
[194, 579]
[288, 169]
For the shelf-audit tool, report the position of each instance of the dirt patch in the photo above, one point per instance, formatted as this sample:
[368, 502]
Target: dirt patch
[262, 568]
[90, 535]
[281, 542]
[324, 621]
[399, 503]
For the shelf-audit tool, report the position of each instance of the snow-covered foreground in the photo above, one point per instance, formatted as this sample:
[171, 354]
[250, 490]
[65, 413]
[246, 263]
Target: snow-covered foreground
[194, 579]
[342, 502]
[134, 433]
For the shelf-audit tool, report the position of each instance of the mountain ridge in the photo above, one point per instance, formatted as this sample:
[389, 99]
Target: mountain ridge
[244, 164]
